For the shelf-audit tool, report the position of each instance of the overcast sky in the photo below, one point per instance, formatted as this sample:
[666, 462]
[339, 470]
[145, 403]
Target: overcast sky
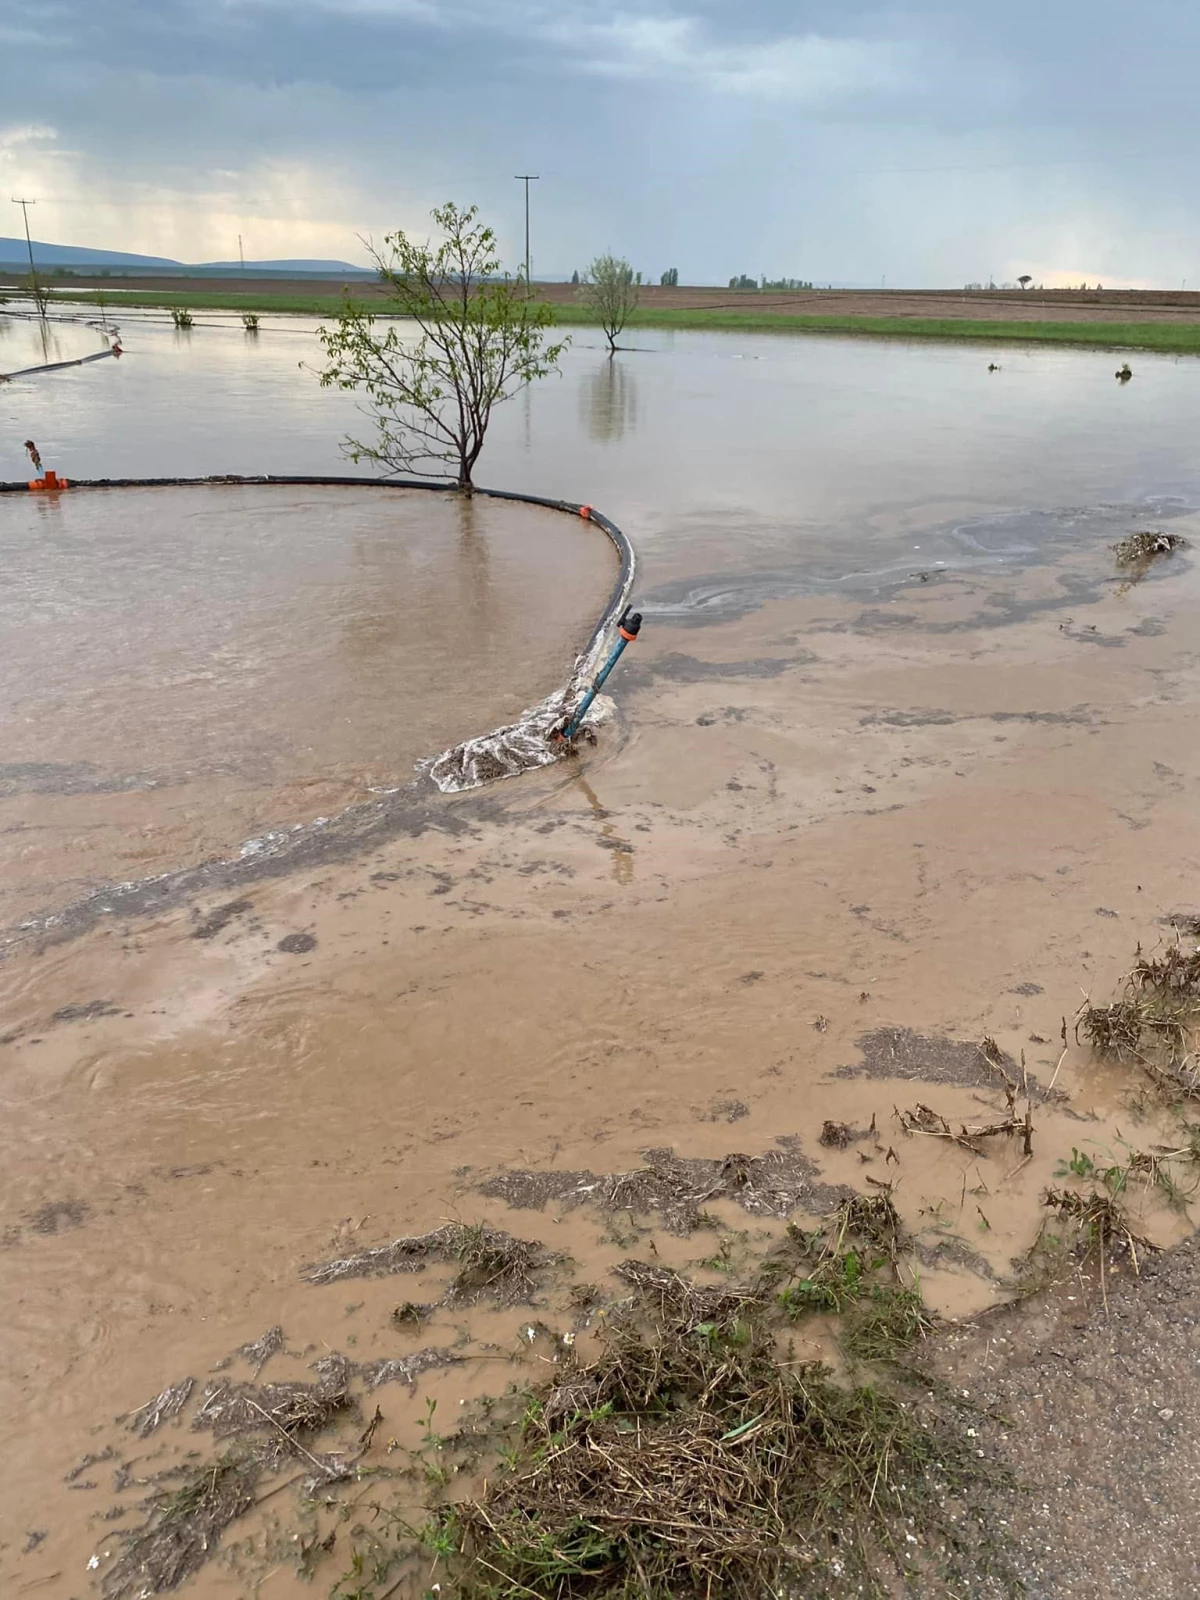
[845, 143]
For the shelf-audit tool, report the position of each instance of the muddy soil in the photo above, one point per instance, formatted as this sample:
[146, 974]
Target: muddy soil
[768, 900]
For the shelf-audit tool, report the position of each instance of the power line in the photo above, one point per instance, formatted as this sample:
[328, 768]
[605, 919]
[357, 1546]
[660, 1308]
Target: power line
[526, 178]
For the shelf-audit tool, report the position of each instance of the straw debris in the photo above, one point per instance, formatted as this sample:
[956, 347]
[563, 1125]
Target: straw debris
[406, 1369]
[230, 1410]
[676, 1299]
[1102, 1227]
[675, 1189]
[149, 1418]
[183, 1529]
[1154, 1022]
[260, 1351]
[490, 1264]
[1141, 548]
[922, 1119]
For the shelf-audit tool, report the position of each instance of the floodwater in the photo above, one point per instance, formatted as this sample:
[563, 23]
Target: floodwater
[898, 749]
[186, 668]
[28, 341]
[720, 453]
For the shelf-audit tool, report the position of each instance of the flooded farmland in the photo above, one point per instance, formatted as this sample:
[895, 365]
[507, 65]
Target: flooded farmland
[903, 763]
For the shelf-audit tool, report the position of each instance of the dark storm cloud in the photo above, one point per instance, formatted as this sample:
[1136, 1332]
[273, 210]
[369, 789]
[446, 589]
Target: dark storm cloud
[931, 144]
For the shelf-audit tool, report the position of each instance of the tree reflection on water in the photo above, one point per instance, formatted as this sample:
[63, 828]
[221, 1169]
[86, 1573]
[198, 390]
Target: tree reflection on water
[608, 401]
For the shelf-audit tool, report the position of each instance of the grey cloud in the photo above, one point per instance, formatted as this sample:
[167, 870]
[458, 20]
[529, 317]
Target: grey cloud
[789, 137]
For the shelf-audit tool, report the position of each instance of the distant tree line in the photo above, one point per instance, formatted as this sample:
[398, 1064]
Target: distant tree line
[744, 281]
[1023, 282]
[668, 280]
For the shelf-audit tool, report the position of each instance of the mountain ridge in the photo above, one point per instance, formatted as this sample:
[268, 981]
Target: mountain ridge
[14, 252]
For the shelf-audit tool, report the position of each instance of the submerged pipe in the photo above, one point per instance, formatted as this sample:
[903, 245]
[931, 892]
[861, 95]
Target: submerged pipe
[539, 736]
[629, 626]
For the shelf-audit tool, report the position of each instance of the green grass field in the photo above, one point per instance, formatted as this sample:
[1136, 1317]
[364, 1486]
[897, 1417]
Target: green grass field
[1179, 337]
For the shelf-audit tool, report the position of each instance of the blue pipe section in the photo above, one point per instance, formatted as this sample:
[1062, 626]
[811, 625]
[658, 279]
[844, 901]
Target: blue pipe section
[630, 626]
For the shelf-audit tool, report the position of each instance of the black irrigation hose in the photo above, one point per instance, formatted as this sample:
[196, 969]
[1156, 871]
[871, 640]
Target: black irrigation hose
[56, 366]
[617, 600]
[362, 825]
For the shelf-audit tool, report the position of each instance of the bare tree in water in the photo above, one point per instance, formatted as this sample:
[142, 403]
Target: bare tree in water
[481, 338]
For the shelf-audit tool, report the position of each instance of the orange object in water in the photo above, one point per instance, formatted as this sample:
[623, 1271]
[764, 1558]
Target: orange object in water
[51, 480]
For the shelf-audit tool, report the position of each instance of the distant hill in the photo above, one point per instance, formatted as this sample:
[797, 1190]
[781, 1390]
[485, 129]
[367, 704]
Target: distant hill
[69, 255]
[279, 266]
[13, 252]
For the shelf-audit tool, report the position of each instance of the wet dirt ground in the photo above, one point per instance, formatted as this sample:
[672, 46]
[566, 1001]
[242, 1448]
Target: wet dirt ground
[952, 811]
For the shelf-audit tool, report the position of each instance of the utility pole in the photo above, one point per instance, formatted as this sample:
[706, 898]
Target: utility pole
[241, 257]
[24, 205]
[526, 178]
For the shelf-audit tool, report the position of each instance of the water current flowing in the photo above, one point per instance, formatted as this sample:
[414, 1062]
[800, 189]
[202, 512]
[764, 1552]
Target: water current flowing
[904, 762]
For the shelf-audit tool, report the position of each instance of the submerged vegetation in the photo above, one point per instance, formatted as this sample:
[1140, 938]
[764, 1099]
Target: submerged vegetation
[610, 293]
[481, 338]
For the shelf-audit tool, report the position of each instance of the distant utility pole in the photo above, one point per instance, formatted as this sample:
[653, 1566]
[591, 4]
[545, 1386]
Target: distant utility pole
[241, 257]
[24, 205]
[526, 178]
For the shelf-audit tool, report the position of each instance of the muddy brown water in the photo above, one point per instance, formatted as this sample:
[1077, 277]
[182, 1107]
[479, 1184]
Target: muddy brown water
[188, 668]
[825, 824]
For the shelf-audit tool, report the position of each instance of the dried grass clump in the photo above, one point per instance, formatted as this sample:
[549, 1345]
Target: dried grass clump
[1112, 1030]
[1155, 1021]
[675, 1189]
[183, 1529]
[1102, 1228]
[872, 1218]
[688, 1461]
[674, 1299]
[1141, 547]
[164, 1407]
[490, 1264]
[232, 1409]
[407, 1369]
[1171, 979]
